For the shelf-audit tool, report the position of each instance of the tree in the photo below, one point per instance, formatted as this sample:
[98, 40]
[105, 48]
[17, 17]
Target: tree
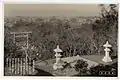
[106, 28]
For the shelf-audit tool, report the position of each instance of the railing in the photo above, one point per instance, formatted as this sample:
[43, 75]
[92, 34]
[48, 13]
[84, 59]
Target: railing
[19, 66]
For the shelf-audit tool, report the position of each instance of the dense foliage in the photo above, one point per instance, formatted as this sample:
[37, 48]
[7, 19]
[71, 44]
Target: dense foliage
[81, 66]
[106, 28]
[99, 70]
[82, 38]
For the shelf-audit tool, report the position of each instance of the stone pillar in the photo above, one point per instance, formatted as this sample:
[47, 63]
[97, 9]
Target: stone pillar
[58, 64]
[107, 57]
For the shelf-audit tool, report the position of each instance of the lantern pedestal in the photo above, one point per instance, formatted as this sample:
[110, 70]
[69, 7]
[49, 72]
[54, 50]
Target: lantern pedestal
[57, 66]
[107, 59]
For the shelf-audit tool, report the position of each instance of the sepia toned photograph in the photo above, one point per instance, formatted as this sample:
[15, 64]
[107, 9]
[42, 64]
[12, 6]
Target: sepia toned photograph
[76, 40]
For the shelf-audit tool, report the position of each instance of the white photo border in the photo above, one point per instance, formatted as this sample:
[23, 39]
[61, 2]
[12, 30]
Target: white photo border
[2, 2]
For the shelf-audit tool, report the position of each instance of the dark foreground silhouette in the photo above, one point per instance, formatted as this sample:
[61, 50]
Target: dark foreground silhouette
[41, 73]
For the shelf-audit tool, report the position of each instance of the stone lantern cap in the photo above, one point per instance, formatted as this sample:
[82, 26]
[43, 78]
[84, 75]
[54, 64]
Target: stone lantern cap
[58, 49]
[107, 45]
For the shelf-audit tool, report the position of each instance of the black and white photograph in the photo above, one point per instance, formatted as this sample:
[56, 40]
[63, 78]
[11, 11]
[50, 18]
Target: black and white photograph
[75, 40]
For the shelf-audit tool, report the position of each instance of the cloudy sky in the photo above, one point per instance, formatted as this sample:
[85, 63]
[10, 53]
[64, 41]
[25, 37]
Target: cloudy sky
[51, 10]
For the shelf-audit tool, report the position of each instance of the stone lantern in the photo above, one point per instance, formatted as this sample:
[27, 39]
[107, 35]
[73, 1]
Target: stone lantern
[107, 57]
[58, 63]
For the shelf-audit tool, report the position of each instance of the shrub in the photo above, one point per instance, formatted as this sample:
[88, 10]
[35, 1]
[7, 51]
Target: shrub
[95, 70]
[81, 66]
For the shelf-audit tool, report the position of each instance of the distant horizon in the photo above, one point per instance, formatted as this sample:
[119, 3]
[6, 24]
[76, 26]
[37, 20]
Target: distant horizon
[51, 16]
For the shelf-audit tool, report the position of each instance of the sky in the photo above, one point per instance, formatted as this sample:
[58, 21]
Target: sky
[51, 10]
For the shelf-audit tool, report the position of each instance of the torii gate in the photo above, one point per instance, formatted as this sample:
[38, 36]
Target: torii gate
[21, 35]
